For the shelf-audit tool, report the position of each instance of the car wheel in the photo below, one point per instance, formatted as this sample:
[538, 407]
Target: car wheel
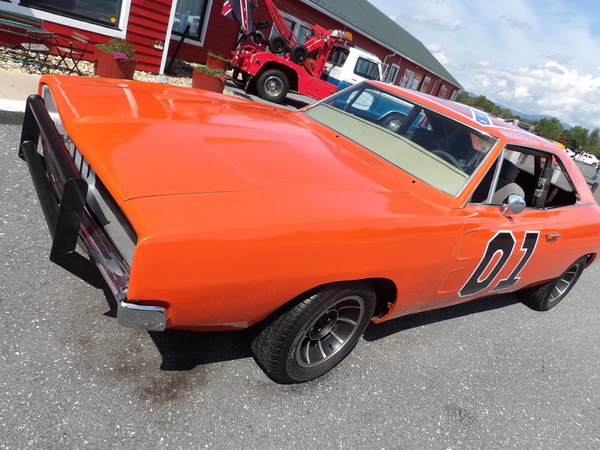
[314, 336]
[546, 296]
[272, 85]
[393, 122]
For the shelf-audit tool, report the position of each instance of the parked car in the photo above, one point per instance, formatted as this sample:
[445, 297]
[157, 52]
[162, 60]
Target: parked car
[206, 212]
[587, 158]
[570, 153]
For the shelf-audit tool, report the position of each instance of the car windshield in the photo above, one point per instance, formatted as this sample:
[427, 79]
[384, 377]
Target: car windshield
[430, 146]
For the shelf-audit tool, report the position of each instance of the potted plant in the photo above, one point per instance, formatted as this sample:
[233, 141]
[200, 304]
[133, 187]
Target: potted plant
[115, 59]
[214, 61]
[209, 79]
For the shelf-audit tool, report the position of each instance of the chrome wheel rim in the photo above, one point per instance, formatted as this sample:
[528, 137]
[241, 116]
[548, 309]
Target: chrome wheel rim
[394, 125]
[273, 86]
[562, 287]
[330, 331]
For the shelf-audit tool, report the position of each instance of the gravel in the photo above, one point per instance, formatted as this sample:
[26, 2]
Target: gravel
[10, 59]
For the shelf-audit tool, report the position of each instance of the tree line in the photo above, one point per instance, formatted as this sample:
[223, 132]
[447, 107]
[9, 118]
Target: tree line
[551, 129]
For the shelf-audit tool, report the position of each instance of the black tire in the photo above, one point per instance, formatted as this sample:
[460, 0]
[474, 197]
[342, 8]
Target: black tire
[278, 44]
[313, 337]
[299, 53]
[393, 122]
[272, 85]
[257, 38]
[546, 296]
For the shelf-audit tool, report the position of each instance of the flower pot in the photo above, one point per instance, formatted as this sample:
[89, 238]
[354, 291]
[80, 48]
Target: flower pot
[215, 63]
[105, 65]
[207, 82]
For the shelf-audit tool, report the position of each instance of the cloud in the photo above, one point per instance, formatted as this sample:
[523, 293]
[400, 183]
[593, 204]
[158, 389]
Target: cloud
[438, 24]
[548, 89]
[511, 22]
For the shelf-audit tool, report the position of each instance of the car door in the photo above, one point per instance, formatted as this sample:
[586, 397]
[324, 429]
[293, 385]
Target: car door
[501, 251]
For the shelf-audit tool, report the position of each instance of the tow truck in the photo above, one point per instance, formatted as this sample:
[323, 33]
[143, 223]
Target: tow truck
[317, 68]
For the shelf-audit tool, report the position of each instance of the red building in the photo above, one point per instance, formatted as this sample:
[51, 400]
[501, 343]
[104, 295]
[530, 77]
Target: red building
[155, 27]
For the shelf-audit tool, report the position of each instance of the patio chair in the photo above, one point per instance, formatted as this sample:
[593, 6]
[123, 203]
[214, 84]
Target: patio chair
[37, 48]
[72, 51]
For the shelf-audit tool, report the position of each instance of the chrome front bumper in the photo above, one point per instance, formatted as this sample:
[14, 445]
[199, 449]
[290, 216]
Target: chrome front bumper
[63, 196]
[142, 317]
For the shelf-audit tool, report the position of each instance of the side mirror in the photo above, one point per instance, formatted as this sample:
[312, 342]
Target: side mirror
[513, 204]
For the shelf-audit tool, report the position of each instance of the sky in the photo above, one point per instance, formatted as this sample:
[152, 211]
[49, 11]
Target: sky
[536, 56]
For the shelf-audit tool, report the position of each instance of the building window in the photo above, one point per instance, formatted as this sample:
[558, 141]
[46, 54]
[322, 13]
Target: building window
[392, 72]
[192, 13]
[407, 78]
[103, 12]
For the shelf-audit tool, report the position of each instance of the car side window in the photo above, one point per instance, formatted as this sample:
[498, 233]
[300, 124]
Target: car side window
[535, 175]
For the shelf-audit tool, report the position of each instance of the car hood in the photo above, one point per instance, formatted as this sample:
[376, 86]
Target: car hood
[148, 139]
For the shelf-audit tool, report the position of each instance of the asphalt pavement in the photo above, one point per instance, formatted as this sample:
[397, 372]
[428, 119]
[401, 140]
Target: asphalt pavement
[489, 374]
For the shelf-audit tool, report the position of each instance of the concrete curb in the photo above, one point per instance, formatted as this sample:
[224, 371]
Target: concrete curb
[12, 112]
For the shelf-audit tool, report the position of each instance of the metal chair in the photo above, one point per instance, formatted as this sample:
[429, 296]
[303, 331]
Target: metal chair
[37, 49]
[74, 50]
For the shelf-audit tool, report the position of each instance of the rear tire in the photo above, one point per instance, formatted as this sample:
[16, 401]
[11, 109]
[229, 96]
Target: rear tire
[272, 85]
[313, 337]
[546, 296]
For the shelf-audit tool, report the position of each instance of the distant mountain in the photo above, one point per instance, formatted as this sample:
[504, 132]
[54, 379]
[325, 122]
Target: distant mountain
[532, 117]
[522, 115]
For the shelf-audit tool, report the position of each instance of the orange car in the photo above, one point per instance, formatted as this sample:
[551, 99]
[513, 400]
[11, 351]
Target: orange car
[207, 212]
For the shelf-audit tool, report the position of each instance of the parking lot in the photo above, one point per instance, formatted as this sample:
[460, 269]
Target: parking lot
[490, 374]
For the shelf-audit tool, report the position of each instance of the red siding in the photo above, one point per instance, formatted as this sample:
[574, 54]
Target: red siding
[148, 21]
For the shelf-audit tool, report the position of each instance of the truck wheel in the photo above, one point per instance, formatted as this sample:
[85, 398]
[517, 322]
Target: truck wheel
[314, 336]
[393, 122]
[272, 85]
[278, 44]
[299, 53]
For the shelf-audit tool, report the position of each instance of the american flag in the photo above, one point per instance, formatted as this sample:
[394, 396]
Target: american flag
[239, 11]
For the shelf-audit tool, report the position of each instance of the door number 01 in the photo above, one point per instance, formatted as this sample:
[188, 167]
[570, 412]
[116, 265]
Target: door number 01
[500, 249]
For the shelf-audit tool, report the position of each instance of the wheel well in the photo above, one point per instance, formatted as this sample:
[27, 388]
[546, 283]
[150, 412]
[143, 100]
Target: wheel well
[290, 73]
[385, 290]
[591, 257]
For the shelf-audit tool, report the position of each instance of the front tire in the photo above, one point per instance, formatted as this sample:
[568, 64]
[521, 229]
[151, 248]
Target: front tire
[313, 337]
[272, 85]
[546, 296]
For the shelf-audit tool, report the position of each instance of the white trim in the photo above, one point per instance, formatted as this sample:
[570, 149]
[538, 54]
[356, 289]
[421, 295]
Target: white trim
[163, 60]
[74, 23]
